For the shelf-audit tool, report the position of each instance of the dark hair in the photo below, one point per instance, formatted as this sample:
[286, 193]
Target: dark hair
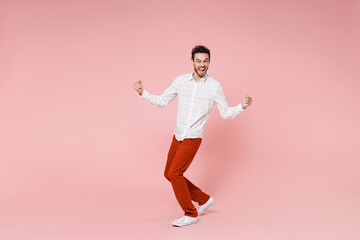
[199, 49]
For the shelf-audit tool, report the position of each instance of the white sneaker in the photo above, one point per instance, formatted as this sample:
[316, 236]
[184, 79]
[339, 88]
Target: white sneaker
[202, 209]
[184, 220]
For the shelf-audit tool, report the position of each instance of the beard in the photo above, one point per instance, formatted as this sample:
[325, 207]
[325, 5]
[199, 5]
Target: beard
[201, 75]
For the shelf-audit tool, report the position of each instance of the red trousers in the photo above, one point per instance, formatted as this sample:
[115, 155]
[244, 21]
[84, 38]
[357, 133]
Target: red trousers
[179, 158]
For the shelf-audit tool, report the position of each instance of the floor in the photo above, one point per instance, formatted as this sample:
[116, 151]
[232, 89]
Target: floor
[125, 218]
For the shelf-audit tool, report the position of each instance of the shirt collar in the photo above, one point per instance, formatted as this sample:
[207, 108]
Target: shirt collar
[202, 79]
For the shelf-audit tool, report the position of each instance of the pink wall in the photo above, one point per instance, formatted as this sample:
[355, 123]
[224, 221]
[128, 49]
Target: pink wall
[75, 139]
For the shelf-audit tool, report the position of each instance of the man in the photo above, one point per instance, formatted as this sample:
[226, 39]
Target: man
[198, 93]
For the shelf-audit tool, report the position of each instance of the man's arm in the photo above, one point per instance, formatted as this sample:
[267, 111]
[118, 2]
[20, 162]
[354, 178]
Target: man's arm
[157, 100]
[227, 112]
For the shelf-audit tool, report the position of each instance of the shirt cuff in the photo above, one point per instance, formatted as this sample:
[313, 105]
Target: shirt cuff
[241, 108]
[144, 94]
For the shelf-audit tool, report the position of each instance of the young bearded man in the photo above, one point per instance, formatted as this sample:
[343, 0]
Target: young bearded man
[197, 93]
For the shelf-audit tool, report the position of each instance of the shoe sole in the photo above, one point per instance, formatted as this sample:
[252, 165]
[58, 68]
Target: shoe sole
[182, 225]
[203, 211]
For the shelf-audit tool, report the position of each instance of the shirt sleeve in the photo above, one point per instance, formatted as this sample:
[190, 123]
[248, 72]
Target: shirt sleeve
[164, 99]
[226, 112]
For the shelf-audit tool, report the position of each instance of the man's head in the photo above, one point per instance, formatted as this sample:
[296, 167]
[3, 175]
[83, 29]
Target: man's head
[200, 56]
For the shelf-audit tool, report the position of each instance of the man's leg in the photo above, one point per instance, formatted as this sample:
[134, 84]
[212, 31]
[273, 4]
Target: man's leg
[172, 151]
[195, 193]
[182, 159]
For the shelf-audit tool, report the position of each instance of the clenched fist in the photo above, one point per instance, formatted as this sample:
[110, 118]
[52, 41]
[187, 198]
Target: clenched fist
[246, 102]
[138, 87]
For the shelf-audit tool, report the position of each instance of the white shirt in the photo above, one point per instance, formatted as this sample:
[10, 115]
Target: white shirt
[195, 103]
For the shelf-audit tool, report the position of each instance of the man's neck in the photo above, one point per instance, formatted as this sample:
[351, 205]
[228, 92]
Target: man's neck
[196, 77]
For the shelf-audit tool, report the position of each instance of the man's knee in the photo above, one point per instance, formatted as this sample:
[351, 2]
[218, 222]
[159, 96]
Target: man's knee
[174, 175]
[166, 175]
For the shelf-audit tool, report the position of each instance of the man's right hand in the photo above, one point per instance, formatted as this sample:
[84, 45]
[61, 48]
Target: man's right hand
[138, 87]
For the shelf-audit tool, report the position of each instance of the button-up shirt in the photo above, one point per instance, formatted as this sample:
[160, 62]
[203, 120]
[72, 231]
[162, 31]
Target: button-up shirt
[195, 103]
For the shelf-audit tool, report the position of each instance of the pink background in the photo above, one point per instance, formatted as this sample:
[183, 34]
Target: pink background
[82, 156]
